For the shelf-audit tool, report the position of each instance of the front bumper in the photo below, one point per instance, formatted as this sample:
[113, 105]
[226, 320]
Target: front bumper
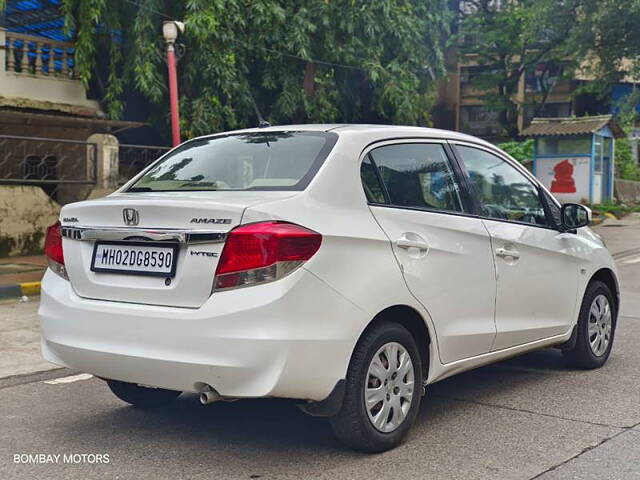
[292, 338]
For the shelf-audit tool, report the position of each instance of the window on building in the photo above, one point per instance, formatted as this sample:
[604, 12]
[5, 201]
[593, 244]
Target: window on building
[566, 145]
[548, 110]
[542, 77]
[479, 120]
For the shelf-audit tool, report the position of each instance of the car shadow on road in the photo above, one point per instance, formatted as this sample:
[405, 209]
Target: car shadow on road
[270, 424]
[517, 373]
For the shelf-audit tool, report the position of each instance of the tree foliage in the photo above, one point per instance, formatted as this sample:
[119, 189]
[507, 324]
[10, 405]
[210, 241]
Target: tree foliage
[607, 38]
[627, 115]
[506, 39]
[600, 37]
[300, 60]
[521, 151]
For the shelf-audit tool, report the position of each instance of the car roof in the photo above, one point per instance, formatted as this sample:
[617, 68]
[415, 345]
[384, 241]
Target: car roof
[372, 129]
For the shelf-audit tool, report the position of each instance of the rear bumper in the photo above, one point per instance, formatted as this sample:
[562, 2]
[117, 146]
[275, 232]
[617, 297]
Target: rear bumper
[292, 338]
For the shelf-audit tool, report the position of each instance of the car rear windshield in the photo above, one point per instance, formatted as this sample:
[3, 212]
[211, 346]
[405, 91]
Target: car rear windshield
[249, 161]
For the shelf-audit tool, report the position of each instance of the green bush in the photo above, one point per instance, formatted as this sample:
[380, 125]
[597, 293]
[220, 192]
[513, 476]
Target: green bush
[521, 151]
[617, 209]
[626, 167]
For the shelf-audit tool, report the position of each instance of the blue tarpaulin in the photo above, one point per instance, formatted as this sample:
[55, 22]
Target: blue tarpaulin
[36, 17]
[619, 93]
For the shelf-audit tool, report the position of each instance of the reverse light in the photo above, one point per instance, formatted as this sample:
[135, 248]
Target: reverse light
[263, 252]
[53, 250]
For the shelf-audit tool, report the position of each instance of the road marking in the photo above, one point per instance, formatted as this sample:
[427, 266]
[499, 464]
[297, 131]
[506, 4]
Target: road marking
[632, 260]
[625, 253]
[71, 379]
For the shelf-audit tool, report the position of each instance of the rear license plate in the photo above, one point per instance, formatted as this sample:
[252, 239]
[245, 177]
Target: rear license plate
[155, 259]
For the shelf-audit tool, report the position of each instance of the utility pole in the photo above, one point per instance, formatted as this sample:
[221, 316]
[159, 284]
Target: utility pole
[170, 31]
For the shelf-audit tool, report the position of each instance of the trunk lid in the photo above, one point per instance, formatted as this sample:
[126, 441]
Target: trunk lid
[194, 221]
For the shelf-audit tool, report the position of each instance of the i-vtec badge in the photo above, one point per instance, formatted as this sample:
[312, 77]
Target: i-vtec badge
[201, 253]
[209, 221]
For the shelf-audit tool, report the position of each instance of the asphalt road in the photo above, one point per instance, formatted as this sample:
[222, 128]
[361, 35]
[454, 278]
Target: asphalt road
[529, 417]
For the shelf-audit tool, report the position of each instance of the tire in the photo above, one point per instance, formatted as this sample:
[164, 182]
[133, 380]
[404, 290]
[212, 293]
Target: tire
[353, 424]
[143, 397]
[589, 352]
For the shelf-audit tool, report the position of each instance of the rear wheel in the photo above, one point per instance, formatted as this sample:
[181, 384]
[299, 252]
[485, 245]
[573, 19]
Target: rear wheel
[383, 390]
[596, 328]
[139, 396]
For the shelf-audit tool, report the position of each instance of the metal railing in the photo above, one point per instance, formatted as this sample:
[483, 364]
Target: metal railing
[134, 158]
[63, 168]
[27, 54]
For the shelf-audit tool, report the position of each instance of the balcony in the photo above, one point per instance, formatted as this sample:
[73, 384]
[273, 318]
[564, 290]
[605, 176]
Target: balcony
[40, 73]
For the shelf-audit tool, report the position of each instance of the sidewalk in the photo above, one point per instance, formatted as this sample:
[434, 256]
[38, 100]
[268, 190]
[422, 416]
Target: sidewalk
[621, 236]
[21, 275]
[20, 339]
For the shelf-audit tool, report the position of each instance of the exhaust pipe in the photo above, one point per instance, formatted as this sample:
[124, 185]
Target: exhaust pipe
[208, 395]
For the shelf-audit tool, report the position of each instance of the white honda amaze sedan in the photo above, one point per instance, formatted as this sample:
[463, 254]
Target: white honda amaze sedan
[346, 266]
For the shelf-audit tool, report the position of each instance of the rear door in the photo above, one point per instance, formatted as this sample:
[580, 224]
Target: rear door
[537, 275]
[445, 255]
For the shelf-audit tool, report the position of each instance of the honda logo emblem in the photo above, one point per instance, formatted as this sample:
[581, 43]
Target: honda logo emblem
[130, 216]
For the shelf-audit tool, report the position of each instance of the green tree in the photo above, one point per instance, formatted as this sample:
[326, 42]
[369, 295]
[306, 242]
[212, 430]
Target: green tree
[627, 116]
[508, 38]
[302, 61]
[521, 151]
[607, 37]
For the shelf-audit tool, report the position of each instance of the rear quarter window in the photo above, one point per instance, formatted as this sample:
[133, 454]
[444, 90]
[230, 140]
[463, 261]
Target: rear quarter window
[418, 175]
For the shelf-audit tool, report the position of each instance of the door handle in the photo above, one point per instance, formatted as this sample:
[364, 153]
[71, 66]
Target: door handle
[503, 252]
[406, 243]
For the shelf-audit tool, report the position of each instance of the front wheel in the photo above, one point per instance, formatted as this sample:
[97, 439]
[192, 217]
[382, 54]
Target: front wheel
[144, 397]
[596, 328]
[383, 390]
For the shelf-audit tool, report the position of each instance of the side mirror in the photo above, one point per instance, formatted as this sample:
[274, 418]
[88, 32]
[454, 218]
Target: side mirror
[574, 216]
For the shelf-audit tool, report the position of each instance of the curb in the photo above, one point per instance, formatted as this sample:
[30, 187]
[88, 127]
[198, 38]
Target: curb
[17, 290]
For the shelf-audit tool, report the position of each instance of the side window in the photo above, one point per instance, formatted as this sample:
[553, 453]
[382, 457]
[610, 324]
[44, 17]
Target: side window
[370, 182]
[504, 192]
[418, 175]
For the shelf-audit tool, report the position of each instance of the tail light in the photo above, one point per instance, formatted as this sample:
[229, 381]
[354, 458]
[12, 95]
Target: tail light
[53, 250]
[263, 252]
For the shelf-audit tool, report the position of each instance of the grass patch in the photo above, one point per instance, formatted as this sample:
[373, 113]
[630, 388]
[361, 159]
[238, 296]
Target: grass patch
[619, 210]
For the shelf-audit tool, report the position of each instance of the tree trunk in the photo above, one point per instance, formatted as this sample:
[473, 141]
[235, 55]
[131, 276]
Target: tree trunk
[309, 82]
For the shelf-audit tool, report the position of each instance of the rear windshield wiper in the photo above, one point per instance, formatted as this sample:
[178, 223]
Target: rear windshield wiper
[211, 185]
[140, 189]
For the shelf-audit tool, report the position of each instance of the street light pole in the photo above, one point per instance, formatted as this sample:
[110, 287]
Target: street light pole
[170, 32]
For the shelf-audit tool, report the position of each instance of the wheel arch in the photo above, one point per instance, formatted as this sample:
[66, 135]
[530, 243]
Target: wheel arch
[414, 322]
[404, 315]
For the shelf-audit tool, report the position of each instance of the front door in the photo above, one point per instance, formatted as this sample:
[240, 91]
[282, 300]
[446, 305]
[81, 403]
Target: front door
[537, 275]
[445, 255]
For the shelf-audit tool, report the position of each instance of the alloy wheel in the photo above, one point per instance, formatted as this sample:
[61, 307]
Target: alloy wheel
[600, 325]
[389, 387]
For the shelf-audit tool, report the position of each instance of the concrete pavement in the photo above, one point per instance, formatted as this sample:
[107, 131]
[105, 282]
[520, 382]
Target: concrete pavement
[20, 339]
[529, 417]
